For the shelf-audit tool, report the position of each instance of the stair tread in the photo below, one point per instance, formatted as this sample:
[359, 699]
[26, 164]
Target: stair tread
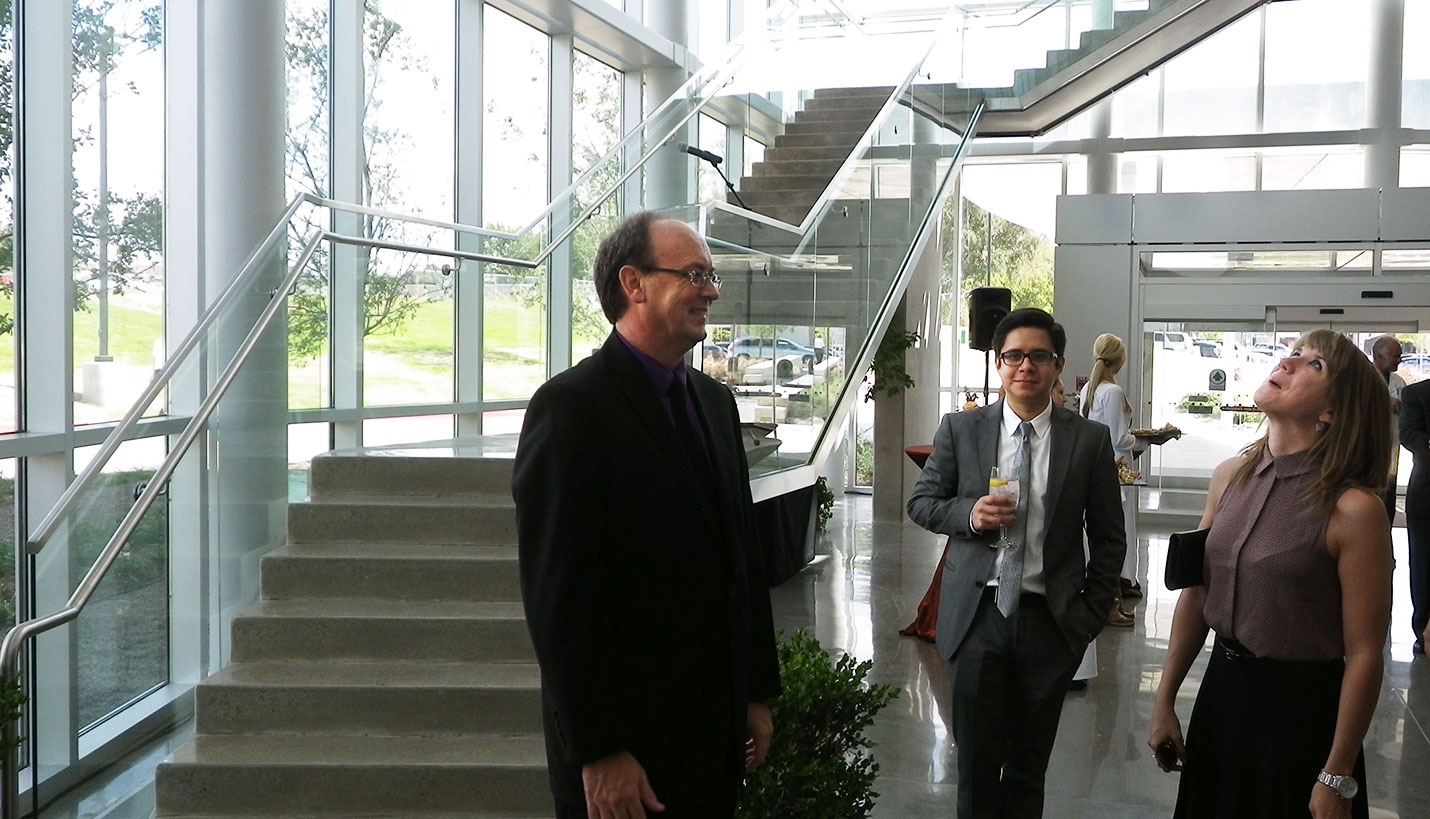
[349, 497]
[393, 551]
[373, 608]
[350, 674]
[332, 751]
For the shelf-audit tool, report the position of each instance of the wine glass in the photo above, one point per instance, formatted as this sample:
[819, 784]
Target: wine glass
[1006, 486]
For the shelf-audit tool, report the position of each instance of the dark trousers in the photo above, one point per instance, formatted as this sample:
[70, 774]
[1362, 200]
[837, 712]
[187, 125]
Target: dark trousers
[1389, 498]
[1417, 530]
[1010, 676]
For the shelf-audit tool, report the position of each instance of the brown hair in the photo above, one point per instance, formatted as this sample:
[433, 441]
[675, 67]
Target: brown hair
[628, 244]
[1110, 353]
[1354, 449]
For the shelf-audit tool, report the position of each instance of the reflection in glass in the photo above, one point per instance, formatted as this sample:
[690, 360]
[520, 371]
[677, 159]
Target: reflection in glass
[123, 633]
[8, 395]
[305, 166]
[118, 120]
[9, 549]
[1244, 262]
[596, 127]
[305, 442]
[1211, 87]
[408, 333]
[1415, 111]
[514, 154]
[1324, 169]
[407, 430]
[1315, 73]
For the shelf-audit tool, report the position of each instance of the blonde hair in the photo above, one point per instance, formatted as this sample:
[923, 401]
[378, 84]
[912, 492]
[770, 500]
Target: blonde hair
[1354, 450]
[1111, 354]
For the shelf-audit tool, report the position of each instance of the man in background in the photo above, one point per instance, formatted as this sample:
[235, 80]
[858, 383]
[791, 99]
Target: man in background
[1385, 354]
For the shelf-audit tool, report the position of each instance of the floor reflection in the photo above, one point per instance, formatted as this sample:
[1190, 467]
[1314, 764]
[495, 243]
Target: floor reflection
[866, 586]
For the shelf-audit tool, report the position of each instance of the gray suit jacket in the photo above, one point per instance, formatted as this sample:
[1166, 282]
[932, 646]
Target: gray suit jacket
[1082, 493]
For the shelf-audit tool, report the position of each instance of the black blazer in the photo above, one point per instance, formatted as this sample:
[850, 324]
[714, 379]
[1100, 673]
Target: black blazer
[645, 596]
[1415, 435]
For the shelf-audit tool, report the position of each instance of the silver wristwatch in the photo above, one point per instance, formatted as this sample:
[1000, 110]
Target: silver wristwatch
[1346, 787]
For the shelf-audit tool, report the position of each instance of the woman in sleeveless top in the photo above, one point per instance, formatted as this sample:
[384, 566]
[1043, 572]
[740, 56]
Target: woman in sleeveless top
[1297, 589]
[1104, 402]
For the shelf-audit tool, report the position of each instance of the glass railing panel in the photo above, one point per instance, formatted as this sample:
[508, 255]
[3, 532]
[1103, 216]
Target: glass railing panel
[122, 636]
[305, 442]
[806, 289]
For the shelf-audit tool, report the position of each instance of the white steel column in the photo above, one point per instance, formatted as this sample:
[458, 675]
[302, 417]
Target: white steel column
[558, 175]
[467, 310]
[243, 128]
[1383, 103]
[669, 174]
[345, 182]
[44, 300]
[193, 636]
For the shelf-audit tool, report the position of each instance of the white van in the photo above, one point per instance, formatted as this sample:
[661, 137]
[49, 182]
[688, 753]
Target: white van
[1172, 340]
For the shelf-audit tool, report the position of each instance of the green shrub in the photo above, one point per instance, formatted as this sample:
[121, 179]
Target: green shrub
[819, 765]
[826, 503]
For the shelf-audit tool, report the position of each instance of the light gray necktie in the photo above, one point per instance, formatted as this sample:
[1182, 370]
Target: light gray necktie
[1010, 568]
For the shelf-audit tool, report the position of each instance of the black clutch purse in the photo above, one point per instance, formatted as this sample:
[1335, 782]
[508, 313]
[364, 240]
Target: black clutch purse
[1185, 554]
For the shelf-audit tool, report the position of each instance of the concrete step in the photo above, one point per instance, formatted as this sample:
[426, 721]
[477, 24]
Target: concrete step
[342, 474]
[348, 776]
[786, 180]
[866, 105]
[848, 132]
[362, 698]
[367, 629]
[479, 519]
[824, 167]
[422, 571]
[816, 138]
[785, 153]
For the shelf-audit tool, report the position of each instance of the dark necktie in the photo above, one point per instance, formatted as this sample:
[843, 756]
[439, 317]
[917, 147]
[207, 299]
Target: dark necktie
[690, 441]
[1010, 568]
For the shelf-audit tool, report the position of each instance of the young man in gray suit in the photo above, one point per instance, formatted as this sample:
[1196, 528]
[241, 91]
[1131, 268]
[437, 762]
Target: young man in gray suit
[1016, 613]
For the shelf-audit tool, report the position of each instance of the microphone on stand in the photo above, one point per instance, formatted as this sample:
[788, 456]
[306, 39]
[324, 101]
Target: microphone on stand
[714, 160]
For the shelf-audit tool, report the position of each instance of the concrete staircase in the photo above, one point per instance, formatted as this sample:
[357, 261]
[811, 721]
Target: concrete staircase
[800, 164]
[386, 668]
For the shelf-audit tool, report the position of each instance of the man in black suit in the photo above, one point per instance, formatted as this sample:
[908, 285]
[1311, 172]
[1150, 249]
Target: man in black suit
[1014, 619]
[1415, 436]
[642, 584]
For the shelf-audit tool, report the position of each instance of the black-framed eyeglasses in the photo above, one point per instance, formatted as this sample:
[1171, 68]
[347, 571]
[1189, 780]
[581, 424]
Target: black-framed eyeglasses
[1014, 358]
[696, 276]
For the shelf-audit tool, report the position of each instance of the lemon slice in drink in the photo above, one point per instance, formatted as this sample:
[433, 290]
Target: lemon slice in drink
[997, 482]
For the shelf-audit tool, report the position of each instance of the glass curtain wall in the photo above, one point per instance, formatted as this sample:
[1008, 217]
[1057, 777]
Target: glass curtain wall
[514, 186]
[117, 254]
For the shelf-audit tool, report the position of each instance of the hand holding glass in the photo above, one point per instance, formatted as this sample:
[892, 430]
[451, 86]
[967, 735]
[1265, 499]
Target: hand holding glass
[1007, 488]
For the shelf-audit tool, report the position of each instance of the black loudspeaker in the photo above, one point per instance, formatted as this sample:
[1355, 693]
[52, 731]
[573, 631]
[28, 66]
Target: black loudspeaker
[986, 307]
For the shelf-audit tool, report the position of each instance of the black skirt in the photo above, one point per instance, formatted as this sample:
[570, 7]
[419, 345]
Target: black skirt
[1260, 732]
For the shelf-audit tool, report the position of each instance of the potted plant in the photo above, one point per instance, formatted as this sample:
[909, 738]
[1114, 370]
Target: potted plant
[820, 764]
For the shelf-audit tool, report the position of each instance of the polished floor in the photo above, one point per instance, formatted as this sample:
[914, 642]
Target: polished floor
[865, 586]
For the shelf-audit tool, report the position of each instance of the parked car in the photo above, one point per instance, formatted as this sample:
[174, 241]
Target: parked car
[1208, 349]
[776, 371]
[1172, 340]
[753, 348]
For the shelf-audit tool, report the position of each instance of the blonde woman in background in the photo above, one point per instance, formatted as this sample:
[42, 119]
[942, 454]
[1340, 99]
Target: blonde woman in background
[1103, 401]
